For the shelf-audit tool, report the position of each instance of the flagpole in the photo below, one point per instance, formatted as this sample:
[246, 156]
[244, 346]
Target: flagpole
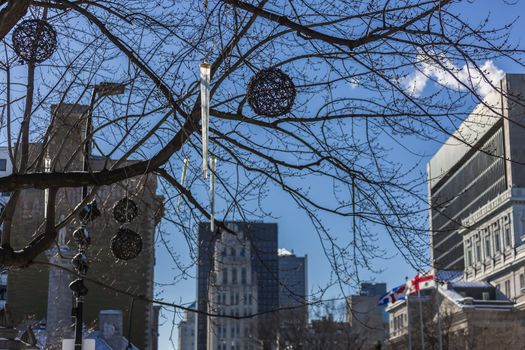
[409, 324]
[440, 334]
[421, 319]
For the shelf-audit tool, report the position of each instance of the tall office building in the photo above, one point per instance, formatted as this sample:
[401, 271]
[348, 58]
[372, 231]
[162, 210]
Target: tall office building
[293, 272]
[478, 192]
[293, 316]
[216, 289]
[187, 330]
[470, 170]
[35, 292]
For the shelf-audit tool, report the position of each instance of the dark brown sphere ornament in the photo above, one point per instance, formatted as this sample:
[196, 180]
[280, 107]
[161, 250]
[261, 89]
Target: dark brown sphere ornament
[81, 237]
[81, 263]
[271, 93]
[126, 244]
[34, 40]
[125, 210]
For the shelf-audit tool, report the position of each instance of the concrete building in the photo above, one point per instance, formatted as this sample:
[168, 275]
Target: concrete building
[34, 292]
[187, 330]
[293, 289]
[455, 316]
[475, 176]
[483, 186]
[293, 277]
[216, 287]
[477, 212]
[5, 169]
[233, 291]
[367, 320]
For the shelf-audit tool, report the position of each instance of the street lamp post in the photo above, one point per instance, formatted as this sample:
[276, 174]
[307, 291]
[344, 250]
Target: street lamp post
[89, 212]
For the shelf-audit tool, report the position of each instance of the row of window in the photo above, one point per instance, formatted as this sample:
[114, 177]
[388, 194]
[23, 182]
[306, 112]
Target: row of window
[233, 279]
[507, 287]
[399, 322]
[235, 330]
[488, 241]
[233, 251]
[247, 299]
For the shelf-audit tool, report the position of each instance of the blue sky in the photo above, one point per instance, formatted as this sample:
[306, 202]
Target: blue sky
[295, 231]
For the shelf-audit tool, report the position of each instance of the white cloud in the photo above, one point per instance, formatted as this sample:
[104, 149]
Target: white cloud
[283, 251]
[448, 75]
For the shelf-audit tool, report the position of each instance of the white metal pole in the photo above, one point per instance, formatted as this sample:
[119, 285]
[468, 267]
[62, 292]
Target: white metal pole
[440, 334]
[421, 319]
[409, 324]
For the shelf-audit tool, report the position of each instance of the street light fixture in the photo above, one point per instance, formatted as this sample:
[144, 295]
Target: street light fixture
[88, 213]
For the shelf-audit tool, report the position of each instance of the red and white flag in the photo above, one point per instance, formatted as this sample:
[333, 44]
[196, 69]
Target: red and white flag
[419, 282]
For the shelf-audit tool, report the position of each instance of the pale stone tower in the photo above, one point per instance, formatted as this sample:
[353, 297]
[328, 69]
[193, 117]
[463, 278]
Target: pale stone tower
[233, 292]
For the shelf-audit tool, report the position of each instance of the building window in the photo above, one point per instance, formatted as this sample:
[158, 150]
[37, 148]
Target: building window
[507, 288]
[478, 251]
[522, 281]
[507, 236]
[243, 275]
[487, 246]
[232, 252]
[234, 275]
[497, 242]
[469, 256]
[225, 276]
[243, 251]
[3, 164]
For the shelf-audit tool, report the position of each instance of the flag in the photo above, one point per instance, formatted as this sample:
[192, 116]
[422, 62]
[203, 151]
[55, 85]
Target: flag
[419, 282]
[397, 293]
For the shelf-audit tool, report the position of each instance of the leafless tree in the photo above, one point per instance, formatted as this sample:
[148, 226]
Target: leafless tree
[354, 64]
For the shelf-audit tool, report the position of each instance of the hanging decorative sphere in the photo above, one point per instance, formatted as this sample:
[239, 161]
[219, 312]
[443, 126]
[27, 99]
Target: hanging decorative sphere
[271, 93]
[78, 287]
[126, 244]
[80, 263]
[34, 40]
[125, 210]
[81, 237]
[90, 212]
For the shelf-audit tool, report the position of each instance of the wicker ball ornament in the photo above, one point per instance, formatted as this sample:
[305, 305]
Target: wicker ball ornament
[126, 244]
[125, 210]
[271, 93]
[34, 40]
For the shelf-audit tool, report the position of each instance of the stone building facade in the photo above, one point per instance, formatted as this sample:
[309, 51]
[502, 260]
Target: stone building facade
[30, 290]
[187, 330]
[455, 316]
[232, 292]
[260, 242]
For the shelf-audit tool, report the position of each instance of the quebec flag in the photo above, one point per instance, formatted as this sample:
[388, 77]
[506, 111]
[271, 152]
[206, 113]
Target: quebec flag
[397, 293]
